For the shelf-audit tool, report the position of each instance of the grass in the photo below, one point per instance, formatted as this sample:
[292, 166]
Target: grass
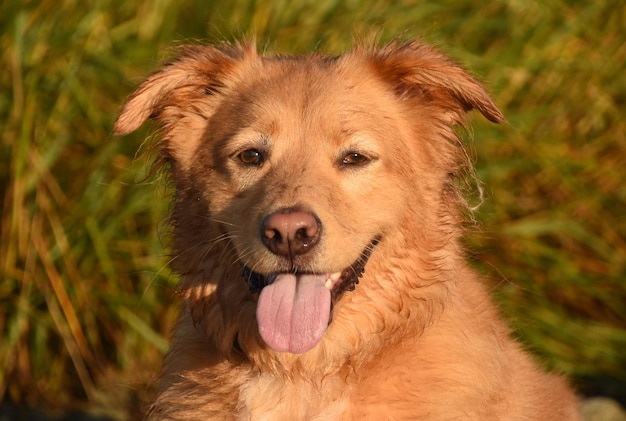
[86, 299]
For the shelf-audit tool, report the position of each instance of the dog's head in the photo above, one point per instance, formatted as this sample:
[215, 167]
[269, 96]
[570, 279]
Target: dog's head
[290, 170]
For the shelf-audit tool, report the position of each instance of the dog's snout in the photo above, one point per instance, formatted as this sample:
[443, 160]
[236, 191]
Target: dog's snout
[290, 232]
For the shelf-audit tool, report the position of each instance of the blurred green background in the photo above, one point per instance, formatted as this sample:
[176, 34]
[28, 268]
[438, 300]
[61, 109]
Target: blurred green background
[86, 299]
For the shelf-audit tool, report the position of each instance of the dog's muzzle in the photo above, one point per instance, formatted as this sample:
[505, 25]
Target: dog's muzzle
[347, 281]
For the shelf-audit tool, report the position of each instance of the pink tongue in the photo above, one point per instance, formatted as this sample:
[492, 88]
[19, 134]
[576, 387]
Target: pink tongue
[293, 312]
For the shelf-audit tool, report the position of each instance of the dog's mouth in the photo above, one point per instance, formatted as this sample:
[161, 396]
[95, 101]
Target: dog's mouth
[293, 310]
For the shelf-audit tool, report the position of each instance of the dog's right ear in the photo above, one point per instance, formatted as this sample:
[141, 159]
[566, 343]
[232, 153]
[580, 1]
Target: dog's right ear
[416, 70]
[196, 73]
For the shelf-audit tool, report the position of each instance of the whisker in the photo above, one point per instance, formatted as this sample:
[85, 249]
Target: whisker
[219, 221]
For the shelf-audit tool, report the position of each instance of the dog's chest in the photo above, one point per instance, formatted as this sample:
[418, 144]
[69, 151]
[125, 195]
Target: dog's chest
[267, 397]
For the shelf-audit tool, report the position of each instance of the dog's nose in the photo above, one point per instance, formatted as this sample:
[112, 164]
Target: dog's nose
[290, 232]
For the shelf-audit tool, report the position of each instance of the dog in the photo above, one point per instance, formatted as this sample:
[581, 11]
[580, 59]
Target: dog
[316, 226]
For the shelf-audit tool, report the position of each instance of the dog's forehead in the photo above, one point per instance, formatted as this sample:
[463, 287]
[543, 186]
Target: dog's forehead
[313, 93]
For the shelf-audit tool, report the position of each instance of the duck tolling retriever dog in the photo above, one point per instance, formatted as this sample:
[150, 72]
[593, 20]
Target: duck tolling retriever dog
[316, 229]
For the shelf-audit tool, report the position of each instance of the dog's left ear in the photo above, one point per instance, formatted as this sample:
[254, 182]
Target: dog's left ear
[417, 70]
[195, 74]
[184, 94]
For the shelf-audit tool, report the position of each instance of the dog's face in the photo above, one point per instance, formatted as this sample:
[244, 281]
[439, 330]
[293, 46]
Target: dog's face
[312, 167]
[303, 165]
[310, 181]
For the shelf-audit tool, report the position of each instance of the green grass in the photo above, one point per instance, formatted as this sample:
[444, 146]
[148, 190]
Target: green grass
[86, 299]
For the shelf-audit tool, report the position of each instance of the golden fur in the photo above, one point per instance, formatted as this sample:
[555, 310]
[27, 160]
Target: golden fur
[366, 143]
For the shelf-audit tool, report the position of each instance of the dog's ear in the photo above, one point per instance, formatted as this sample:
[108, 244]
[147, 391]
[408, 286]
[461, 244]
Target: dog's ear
[196, 72]
[418, 70]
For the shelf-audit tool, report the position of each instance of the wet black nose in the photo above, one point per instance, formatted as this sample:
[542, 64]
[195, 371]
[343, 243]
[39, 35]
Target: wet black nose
[290, 232]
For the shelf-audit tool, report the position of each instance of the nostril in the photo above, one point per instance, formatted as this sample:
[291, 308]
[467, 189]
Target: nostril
[307, 232]
[272, 234]
[303, 233]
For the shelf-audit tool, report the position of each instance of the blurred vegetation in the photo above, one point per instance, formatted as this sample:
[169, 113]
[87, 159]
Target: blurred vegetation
[86, 299]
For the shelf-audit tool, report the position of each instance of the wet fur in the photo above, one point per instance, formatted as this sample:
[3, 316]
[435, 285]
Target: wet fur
[419, 337]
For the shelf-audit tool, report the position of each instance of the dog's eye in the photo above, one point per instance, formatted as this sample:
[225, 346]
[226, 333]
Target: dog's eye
[355, 158]
[251, 157]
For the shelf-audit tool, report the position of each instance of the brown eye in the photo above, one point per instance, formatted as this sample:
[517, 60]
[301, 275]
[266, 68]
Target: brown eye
[251, 157]
[355, 158]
